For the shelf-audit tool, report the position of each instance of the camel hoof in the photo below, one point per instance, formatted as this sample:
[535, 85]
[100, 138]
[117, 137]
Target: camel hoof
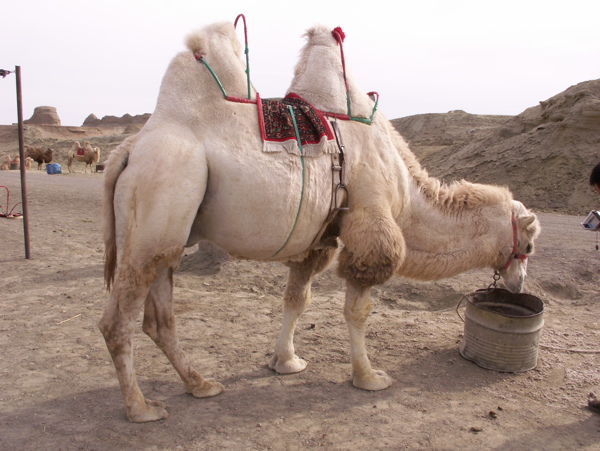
[150, 411]
[206, 389]
[377, 380]
[293, 365]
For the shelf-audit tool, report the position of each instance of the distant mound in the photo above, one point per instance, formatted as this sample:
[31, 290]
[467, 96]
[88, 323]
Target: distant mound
[544, 155]
[114, 121]
[44, 115]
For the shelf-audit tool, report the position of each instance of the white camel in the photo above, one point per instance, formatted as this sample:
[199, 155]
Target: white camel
[272, 206]
[86, 154]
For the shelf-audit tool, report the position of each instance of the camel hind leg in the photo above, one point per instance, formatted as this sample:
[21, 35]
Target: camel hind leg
[296, 298]
[116, 326]
[154, 203]
[159, 324]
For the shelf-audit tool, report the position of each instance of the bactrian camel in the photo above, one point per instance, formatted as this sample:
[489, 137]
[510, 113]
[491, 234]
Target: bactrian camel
[86, 154]
[273, 206]
[39, 155]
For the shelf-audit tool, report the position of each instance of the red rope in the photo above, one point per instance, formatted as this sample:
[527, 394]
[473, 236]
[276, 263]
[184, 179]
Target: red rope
[515, 254]
[239, 99]
[339, 36]
[245, 29]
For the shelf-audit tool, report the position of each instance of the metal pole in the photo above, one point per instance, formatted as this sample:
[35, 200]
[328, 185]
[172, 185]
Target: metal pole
[23, 171]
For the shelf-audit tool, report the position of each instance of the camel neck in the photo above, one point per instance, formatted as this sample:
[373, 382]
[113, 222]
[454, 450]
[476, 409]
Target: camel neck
[440, 244]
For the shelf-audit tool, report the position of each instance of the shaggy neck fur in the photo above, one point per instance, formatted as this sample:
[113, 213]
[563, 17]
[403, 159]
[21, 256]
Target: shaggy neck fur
[453, 228]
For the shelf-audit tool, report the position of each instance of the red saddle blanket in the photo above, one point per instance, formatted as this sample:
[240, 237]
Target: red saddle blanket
[278, 132]
[80, 151]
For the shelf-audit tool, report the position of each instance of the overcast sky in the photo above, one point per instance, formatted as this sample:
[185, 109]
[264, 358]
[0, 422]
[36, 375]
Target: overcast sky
[107, 57]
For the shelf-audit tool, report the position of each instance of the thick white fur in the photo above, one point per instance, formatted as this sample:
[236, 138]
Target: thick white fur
[244, 200]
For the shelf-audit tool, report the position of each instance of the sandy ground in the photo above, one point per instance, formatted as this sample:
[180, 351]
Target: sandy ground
[58, 387]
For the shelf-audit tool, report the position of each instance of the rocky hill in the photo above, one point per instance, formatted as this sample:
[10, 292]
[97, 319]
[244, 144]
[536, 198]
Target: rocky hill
[544, 155]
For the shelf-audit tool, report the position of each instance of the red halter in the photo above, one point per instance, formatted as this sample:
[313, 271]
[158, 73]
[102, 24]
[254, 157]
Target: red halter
[514, 254]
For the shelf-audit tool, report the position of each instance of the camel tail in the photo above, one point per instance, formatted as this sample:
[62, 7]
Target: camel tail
[115, 165]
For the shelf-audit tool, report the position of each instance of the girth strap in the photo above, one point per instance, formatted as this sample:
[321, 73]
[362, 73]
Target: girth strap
[337, 169]
[339, 196]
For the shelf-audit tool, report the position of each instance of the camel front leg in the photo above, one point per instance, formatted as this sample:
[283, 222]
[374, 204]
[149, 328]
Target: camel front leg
[296, 298]
[356, 310]
[159, 324]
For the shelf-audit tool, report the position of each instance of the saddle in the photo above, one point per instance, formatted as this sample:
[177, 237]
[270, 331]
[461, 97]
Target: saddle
[80, 151]
[294, 125]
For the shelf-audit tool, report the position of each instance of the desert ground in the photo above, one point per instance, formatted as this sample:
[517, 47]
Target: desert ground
[59, 390]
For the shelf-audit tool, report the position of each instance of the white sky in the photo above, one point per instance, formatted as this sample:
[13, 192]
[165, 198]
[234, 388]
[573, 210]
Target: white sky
[107, 57]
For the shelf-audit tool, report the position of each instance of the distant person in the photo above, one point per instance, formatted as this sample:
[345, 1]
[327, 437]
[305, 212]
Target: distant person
[595, 178]
[594, 404]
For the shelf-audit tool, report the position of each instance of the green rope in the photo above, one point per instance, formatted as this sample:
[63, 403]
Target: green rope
[363, 120]
[247, 52]
[203, 61]
[302, 191]
[348, 103]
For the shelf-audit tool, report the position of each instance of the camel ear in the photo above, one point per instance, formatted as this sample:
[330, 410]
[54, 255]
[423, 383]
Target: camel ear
[527, 220]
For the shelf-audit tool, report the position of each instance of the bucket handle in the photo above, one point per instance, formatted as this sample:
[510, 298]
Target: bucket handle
[491, 286]
[458, 305]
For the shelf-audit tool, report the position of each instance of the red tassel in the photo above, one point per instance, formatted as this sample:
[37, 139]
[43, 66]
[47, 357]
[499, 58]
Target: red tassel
[338, 34]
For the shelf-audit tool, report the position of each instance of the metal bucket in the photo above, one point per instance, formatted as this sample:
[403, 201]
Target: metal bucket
[502, 329]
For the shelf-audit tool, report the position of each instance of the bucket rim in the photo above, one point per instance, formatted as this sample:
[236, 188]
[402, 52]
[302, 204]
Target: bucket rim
[470, 299]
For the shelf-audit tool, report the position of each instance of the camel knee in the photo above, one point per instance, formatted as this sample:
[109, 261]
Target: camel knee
[116, 323]
[115, 334]
[357, 314]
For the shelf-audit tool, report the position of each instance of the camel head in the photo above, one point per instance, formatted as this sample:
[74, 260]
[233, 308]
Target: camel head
[514, 255]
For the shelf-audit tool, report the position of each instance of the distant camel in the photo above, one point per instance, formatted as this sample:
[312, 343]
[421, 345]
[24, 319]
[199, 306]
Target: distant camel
[86, 154]
[39, 155]
[9, 163]
[6, 163]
